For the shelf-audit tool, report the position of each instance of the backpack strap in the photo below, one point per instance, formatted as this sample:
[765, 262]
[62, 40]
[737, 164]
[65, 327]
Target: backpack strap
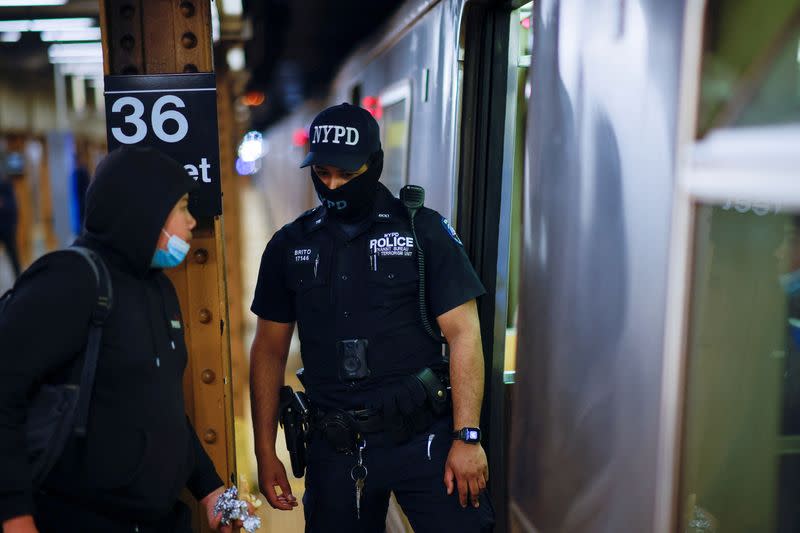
[103, 304]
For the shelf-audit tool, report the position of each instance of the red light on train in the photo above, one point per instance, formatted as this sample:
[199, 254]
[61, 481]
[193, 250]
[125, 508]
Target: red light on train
[373, 105]
[300, 137]
[253, 98]
[526, 23]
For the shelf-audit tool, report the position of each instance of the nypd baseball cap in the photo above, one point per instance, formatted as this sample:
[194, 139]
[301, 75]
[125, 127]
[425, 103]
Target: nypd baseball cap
[343, 136]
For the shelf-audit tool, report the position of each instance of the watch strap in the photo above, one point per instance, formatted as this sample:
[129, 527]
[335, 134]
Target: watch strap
[468, 434]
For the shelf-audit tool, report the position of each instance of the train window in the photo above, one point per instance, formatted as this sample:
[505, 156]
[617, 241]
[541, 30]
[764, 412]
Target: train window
[394, 118]
[524, 17]
[520, 59]
[740, 467]
[751, 64]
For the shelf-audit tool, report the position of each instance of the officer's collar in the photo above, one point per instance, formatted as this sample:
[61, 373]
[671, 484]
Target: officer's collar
[384, 205]
[384, 211]
[314, 218]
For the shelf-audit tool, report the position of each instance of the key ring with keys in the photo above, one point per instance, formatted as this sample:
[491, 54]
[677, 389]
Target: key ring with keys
[356, 471]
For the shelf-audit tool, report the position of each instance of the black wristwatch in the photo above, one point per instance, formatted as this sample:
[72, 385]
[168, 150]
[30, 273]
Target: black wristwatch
[468, 435]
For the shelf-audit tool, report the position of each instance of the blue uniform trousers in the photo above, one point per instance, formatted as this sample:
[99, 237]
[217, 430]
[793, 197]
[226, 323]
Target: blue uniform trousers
[414, 471]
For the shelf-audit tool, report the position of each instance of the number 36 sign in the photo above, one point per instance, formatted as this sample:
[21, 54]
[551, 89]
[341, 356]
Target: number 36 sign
[177, 114]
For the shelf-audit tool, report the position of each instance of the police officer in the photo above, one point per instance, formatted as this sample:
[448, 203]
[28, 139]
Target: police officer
[347, 273]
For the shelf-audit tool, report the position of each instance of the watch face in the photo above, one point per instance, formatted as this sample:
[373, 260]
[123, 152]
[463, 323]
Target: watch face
[472, 434]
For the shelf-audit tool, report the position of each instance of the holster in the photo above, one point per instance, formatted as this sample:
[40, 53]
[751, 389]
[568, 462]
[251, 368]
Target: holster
[436, 390]
[294, 417]
[412, 405]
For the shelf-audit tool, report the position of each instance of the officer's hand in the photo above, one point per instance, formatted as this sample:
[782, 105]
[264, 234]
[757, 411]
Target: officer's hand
[271, 474]
[20, 524]
[466, 466]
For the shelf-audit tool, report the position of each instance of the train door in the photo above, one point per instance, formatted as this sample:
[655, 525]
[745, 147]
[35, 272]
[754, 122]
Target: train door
[508, 267]
[732, 365]
[495, 55]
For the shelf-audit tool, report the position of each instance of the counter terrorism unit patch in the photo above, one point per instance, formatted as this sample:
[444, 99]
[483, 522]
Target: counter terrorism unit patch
[451, 231]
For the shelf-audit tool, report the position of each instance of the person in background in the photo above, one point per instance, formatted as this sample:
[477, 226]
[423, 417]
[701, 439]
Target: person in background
[8, 218]
[80, 184]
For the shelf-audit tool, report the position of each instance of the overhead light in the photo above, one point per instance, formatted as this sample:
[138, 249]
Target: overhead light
[300, 137]
[15, 25]
[232, 7]
[75, 53]
[78, 23]
[62, 60]
[87, 34]
[90, 70]
[253, 98]
[62, 24]
[31, 3]
[10, 36]
[373, 105]
[252, 147]
[235, 58]
[75, 49]
[247, 168]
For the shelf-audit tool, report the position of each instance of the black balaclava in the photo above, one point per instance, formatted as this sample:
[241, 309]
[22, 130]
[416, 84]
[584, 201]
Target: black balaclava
[353, 201]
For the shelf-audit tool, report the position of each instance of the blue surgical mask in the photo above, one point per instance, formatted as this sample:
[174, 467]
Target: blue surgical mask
[791, 282]
[176, 252]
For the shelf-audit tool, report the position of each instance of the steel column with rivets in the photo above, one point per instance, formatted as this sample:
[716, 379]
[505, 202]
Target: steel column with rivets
[166, 37]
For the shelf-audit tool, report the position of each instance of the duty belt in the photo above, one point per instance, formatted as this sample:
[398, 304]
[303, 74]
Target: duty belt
[427, 399]
[360, 420]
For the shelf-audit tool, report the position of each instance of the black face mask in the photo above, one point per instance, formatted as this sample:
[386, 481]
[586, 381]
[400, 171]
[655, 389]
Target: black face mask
[354, 200]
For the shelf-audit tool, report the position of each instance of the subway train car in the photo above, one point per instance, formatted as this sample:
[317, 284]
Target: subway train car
[625, 177]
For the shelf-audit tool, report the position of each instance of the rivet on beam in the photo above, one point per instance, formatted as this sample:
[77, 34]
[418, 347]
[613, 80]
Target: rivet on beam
[210, 436]
[187, 9]
[127, 41]
[201, 256]
[189, 40]
[189, 67]
[127, 11]
[205, 316]
[208, 376]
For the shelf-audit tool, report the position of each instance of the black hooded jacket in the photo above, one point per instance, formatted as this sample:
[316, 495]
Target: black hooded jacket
[140, 449]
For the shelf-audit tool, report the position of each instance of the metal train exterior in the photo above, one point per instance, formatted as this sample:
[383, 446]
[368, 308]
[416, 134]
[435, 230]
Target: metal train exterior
[598, 194]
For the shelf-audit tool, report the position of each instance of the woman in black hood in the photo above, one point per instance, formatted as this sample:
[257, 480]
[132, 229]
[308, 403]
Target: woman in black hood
[140, 450]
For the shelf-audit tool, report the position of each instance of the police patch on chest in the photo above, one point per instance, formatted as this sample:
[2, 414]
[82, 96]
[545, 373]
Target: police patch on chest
[394, 244]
